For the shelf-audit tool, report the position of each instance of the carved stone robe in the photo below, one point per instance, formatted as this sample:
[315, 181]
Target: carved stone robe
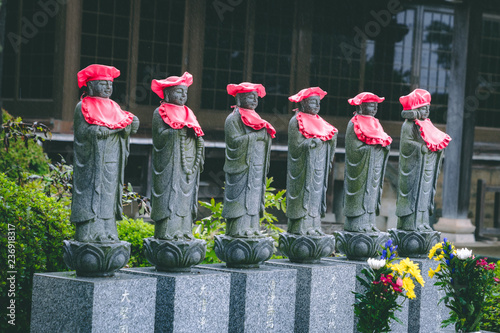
[98, 171]
[364, 176]
[175, 183]
[307, 173]
[418, 174]
[247, 163]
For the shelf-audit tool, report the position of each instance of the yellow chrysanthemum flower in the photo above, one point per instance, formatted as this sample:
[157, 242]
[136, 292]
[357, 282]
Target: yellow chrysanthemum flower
[398, 268]
[432, 252]
[432, 272]
[409, 286]
[406, 263]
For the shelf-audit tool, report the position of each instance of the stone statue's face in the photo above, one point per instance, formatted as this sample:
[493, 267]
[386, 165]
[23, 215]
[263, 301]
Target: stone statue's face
[369, 109]
[248, 100]
[310, 105]
[176, 95]
[100, 88]
[424, 111]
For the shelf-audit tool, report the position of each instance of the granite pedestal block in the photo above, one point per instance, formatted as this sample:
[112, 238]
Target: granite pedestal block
[196, 301]
[324, 299]
[425, 315]
[64, 302]
[262, 299]
[359, 265]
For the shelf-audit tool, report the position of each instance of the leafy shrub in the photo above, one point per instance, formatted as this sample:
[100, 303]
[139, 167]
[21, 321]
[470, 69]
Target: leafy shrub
[210, 226]
[214, 224]
[17, 156]
[39, 225]
[134, 231]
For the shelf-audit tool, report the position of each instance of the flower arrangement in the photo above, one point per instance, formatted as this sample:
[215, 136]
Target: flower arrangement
[385, 280]
[466, 282]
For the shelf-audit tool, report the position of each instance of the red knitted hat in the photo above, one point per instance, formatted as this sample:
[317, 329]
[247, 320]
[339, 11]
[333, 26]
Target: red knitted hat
[417, 98]
[244, 87]
[97, 72]
[365, 97]
[307, 92]
[159, 85]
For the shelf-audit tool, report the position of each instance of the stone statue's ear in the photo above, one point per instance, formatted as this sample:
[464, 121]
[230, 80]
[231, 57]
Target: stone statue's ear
[237, 98]
[359, 108]
[166, 94]
[90, 91]
[301, 105]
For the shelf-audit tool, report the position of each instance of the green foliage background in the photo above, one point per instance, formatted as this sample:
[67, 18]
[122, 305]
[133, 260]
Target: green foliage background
[134, 231]
[18, 159]
[41, 224]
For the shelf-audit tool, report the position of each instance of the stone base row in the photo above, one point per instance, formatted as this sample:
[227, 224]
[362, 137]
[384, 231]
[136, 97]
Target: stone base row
[277, 297]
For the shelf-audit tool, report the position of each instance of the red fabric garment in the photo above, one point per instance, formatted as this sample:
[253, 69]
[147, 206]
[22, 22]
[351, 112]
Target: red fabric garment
[369, 130]
[105, 112]
[96, 72]
[416, 99]
[308, 92]
[244, 87]
[159, 85]
[252, 119]
[365, 97]
[313, 126]
[433, 137]
[178, 116]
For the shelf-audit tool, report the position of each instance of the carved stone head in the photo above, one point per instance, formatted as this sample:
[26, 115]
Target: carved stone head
[249, 100]
[310, 104]
[100, 88]
[368, 109]
[176, 94]
[423, 112]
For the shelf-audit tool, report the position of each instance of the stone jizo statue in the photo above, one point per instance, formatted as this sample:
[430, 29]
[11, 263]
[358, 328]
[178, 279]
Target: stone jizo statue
[101, 149]
[311, 147]
[421, 152]
[248, 148]
[367, 152]
[178, 157]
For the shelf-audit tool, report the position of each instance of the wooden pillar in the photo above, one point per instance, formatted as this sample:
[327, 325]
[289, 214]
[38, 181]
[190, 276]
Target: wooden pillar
[192, 53]
[460, 123]
[71, 62]
[301, 49]
[133, 52]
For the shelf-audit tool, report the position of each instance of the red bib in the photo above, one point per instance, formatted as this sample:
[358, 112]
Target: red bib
[105, 112]
[252, 119]
[433, 137]
[369, 130]
[313, 126]
[178, 116]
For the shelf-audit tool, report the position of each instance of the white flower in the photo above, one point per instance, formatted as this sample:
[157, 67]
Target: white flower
[464, 253]
[376, 263]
